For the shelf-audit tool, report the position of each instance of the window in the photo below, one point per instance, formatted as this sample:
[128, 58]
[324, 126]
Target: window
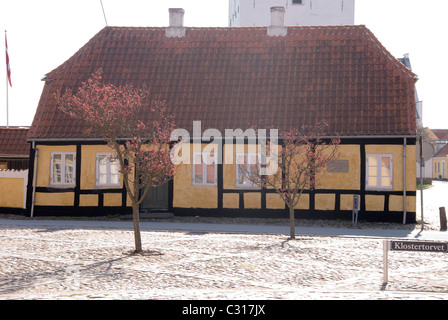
[107, 170]
[204, 169]
[62, 169]
[379, 172]
[246, 162]
[443, 169]
[297, 1]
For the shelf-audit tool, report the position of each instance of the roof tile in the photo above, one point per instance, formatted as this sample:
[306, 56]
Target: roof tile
[230, 77]
[13, 142]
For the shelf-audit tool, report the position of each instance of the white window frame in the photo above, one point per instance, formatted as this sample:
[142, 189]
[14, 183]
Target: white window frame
[378, 185]
[204, 156]
[249, 184]
[108, 171]
[63, 168]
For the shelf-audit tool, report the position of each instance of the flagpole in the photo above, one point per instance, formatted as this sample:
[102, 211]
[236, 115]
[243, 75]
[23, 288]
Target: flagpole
[7, 103]
[7, 94]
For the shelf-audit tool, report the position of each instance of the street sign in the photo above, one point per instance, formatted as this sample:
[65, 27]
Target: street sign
[427, 151]
[418, 246]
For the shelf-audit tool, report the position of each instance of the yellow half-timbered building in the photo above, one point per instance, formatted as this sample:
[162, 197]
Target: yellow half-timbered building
[229, 79]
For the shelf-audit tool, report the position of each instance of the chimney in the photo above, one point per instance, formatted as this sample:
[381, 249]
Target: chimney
[277, 27]
[176, 28]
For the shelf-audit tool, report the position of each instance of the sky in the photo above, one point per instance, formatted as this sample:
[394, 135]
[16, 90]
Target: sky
[43, 34]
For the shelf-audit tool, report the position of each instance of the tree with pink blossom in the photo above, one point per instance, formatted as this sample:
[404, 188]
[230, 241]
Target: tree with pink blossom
[137, 129]
[303, 157]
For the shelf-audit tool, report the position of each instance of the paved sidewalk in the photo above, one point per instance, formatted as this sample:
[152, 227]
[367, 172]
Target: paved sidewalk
[227, 228]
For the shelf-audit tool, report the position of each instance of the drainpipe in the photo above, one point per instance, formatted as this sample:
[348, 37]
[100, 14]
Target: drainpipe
[421, 177]
[33, 197]
[404, 182]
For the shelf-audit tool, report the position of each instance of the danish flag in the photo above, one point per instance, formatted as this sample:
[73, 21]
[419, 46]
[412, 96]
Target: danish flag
[8, 67]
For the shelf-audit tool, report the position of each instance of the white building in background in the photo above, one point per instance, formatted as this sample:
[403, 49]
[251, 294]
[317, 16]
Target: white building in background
[256, 13]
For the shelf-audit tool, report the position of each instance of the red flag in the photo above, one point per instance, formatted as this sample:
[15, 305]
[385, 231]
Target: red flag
[8, 67]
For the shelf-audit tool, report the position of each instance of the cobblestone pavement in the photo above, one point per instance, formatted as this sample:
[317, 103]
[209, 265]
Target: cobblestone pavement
[57, 261]
[64, 263]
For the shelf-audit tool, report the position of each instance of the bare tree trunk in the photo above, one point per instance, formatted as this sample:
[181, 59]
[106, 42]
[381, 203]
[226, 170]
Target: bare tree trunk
[137, 236]
[292, 229]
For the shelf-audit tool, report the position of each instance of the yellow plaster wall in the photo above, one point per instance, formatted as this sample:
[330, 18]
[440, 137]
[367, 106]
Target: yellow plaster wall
[252, 200]
[396, 203]
[229, 164]
[44, 162]
[88, 167]
[231, 200]
[55, 199]
[374, 203]
[274, 201]
[112, 200]
[324, 201]
[229, 176]
[229, 161]
[88, 177]
[304, 202]
[344, 180]
[88, 200]
[187, 195]
[397, 152]
[347, 202]
[11, 191]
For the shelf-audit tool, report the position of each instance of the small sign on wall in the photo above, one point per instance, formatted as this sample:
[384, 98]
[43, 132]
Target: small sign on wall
[338, 166]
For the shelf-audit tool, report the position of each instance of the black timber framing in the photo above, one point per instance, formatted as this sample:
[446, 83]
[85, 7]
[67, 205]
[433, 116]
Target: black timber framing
[76, 209]
[311, 213]
[386, 215]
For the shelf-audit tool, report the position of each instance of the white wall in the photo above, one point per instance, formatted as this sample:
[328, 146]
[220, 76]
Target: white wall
[250, 13]
[427, 169]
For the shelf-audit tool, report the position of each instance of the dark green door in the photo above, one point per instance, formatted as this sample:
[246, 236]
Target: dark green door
[156, 198]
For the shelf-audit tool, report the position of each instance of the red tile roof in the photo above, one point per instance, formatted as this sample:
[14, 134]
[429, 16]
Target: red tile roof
[442, 152]
[231, 77]
[441, 134]
[13, 142]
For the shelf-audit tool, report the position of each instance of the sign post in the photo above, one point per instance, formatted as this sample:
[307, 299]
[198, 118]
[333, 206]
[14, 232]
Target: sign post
[416, 246]
[385, 261]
